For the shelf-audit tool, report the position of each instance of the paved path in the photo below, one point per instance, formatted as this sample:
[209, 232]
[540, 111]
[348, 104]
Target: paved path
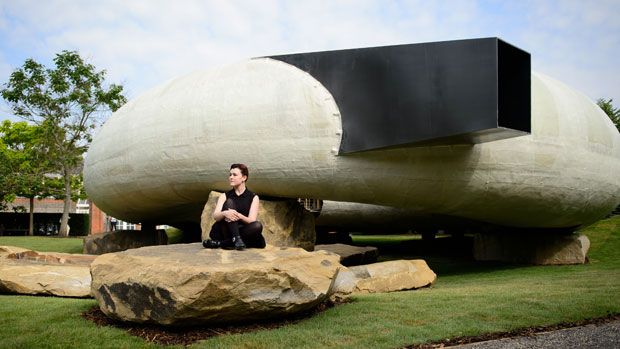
[601, 336]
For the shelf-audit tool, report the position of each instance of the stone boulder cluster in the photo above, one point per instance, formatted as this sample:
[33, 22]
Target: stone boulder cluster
[185, 284]
[137, 277]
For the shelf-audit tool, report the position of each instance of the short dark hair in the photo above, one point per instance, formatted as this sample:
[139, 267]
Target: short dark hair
[243, 168]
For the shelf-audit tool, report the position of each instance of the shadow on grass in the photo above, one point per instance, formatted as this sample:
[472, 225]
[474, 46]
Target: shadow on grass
[445, 255]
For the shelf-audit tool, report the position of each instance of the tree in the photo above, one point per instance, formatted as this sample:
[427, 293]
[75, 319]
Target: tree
[608, 108]
[6, 188]
[67, 102]
[26, 163]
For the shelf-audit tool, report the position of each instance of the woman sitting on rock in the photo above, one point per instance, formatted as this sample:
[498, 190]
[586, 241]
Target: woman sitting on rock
[235, 215]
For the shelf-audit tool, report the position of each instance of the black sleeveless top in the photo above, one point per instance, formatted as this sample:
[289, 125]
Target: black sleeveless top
[243, 201]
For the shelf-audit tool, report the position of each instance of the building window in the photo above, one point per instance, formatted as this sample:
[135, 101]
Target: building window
[122, 225]
[82, 206]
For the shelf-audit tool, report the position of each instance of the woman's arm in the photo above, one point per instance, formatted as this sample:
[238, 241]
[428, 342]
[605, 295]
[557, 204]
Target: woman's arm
[218, 215]
[253, 214]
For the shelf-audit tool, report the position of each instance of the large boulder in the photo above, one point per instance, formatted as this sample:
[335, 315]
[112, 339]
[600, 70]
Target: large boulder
[285, 222]
[185, 284]
[531, 248]
[351, 255]
[390, 276]
[121, 240]
[44, 273]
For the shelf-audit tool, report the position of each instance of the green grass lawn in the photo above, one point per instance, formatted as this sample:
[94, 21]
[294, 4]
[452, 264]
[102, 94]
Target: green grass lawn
[44, 243]
[66, 245]
[468, 298]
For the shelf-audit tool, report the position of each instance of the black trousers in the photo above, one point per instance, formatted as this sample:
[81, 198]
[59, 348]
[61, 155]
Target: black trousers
[251, 234]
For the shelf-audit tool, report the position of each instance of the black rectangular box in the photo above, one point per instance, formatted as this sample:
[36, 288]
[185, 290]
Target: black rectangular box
[451, 92]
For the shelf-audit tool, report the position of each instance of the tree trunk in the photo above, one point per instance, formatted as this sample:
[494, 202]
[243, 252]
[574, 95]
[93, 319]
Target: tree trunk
[64, 220]
[31, 221]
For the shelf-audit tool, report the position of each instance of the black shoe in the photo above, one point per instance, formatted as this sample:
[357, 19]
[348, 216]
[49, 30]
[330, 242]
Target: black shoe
[211, 243]
[239, 245]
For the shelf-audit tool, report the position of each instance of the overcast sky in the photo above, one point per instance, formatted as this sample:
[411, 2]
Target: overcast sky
[142, 43]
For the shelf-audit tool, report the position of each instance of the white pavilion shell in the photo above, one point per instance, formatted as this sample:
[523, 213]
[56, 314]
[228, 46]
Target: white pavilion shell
[158, 157]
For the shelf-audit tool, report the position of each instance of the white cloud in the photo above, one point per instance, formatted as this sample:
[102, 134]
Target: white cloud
[576, 43]
[5, 71]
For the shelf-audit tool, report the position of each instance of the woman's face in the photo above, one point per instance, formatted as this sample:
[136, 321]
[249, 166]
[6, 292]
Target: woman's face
[235, 177]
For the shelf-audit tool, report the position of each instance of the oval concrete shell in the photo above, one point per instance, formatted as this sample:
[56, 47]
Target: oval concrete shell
[157, 158]
[379, 219]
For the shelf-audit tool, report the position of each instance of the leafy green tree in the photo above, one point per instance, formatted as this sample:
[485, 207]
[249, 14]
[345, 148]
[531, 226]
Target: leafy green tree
[26, 161]
[7, 193]
[608, 108]
[68, 102]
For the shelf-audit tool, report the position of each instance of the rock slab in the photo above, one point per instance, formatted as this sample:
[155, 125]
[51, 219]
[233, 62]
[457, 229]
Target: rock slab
[529, 248]
[351, 255]
[121, 240]
[7, 250]
[185, 284]
[285, 222]
[40, 273]
[390, 276]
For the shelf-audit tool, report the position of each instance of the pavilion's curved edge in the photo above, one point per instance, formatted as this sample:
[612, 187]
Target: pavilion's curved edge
[158, 157]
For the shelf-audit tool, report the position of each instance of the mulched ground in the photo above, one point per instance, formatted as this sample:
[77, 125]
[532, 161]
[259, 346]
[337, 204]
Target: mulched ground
[188, 335]
[530, 331]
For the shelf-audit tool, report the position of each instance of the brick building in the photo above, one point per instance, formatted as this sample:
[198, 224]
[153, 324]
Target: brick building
[84, 218]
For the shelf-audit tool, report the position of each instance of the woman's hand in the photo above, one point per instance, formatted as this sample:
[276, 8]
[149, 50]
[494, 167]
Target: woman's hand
[231, 215]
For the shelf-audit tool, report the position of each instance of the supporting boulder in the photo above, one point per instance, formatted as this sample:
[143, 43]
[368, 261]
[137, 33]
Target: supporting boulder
[185, 284]
[529, 248]
[285, 222]
[121, 240]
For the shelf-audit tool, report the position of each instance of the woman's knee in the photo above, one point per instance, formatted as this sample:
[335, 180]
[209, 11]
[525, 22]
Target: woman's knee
[256, 227]
[253, 236]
